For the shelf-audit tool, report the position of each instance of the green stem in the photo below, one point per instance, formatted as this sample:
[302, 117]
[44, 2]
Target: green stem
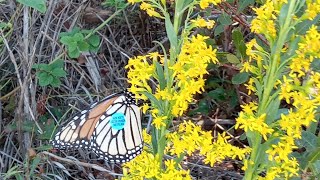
[271, 77]
[105, 22]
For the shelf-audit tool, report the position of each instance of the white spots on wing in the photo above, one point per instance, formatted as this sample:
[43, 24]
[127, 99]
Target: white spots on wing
[103, 117]
[82, 117]
[76, 117]
[84, 111]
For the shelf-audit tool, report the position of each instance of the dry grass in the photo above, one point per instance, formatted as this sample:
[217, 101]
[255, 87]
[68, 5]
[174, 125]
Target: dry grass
[34, 38]
[27, 108]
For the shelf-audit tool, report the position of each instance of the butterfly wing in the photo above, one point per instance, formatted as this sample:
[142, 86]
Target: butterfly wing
[118, 134]
[78, 132]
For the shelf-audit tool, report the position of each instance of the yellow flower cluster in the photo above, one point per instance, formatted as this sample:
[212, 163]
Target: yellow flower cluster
[139, 73]
[189, 70]
[146, 165]
[313, 9]
[247, 120]
[308, 50]
[264, 23]
[190, 138]
[200, 22]
[187, 73]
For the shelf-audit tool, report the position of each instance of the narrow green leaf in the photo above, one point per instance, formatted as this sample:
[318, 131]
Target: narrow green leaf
[172, 35]
[39, 5]
[160, 75]
[34, 164]
[240, 78]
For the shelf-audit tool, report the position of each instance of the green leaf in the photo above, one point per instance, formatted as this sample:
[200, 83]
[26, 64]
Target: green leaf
[315, 167]
[46, 80]
[57, 64]
[94, 40]
[243, 4]
[217, 94]
[218, 30]
[160, 75]
[58, 72]
[70, 33]
[55, 82]
[72, 46]
[232, 59]
[172, 35]
[240, 78]
[39, 5]
[225, 19]
[308, 141]
[66, 40]
[203, 108]
[42, 75]
[78, 37]
[305, 25]
[238, 41]
[83, 46]
[74, 54]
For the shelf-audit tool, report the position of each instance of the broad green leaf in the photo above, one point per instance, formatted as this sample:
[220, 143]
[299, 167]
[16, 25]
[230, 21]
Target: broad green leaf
[66, 40]
[70, 33]
[42, 75]
[308, 141]
[55, 82]
[46, 80]
[58, 72]
[94, 40]
[57, 64]
[74, 54]
[305, 25]
[83, 46]
[217, 94]
[225, 19]
[315, 168]
[232, 59]
[72, 46]
[238, 41]
[218, 30]
[78, 37]
[240, 78]
[39, 5]
[243, 4]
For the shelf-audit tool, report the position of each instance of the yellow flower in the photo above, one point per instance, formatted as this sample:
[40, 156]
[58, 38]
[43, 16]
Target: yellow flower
[200, 22]
[159, 121]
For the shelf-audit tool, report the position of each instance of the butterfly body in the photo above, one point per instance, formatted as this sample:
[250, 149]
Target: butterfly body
[110, 128]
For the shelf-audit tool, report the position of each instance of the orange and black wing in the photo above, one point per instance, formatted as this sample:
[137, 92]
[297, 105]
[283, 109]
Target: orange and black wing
[78, 132]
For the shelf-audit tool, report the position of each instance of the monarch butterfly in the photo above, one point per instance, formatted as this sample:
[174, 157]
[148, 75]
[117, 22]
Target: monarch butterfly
[111, 128]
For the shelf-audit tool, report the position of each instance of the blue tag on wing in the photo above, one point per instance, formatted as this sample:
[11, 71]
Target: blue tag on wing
[117, 121]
